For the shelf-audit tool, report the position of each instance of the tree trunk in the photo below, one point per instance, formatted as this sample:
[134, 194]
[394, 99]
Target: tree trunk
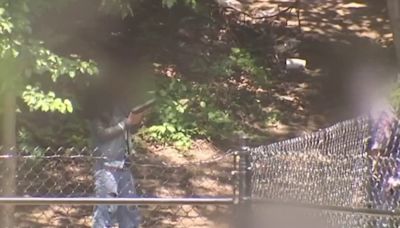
[8, 166]
[394, 15]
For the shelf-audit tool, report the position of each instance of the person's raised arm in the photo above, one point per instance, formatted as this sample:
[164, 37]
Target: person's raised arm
[103, 132]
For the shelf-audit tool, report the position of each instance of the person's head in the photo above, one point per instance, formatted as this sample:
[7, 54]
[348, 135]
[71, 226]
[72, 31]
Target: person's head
[97, 101]
[370, 85]
[106, 91]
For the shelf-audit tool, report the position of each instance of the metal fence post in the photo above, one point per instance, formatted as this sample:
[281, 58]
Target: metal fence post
[243, 202]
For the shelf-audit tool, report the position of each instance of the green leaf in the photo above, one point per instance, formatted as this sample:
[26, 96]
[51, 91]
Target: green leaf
[169, 3]
[72, 74]
[15, 53]
[171, 128]
[235, 50]
[90, 71]
[68, 106]
[45, 107]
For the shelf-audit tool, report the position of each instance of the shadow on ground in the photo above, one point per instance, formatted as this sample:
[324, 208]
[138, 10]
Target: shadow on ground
[335, 36]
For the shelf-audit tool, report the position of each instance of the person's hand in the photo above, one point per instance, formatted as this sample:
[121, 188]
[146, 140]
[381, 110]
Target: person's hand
[134, 118]
[393, 185]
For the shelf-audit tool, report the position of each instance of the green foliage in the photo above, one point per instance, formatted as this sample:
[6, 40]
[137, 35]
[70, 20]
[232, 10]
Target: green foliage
[239, 62]
[126, 8]
[171, 3]
[188, 110]
[52, 129]
[38, 100]
[30, 57]
[48, 62]
[122, 7]
[27, 143]
[243, 60]
[395, 99]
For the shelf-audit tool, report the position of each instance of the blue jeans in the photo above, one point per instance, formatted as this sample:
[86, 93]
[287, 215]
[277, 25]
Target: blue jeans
[115, 183]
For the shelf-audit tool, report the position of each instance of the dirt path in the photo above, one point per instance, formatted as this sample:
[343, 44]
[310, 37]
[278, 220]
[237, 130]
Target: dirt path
[336, 36]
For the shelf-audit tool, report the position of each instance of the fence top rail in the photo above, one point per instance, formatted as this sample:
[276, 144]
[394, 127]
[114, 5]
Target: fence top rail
[116, 201]
[92, 155]
[357, 128]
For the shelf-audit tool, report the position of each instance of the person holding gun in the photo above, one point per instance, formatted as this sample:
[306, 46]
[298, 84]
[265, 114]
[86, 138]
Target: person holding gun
[111, 135]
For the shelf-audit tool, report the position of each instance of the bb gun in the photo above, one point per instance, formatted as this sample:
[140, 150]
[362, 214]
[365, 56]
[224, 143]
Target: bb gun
[143, 107]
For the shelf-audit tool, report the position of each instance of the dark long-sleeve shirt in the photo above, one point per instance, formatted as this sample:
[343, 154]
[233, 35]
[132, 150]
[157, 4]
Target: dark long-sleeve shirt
[111, 139]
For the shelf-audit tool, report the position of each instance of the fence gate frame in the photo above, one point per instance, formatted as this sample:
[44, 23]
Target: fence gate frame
[242, 197]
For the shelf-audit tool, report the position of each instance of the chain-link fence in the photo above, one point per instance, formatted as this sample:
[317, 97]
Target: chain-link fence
[169, 193]
[325, 179]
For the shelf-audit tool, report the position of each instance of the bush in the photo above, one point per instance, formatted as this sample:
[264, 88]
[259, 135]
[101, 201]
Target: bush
[187, 110]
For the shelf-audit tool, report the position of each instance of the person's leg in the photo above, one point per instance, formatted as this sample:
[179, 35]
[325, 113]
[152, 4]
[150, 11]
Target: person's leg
[127, 216]
[105, 187]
